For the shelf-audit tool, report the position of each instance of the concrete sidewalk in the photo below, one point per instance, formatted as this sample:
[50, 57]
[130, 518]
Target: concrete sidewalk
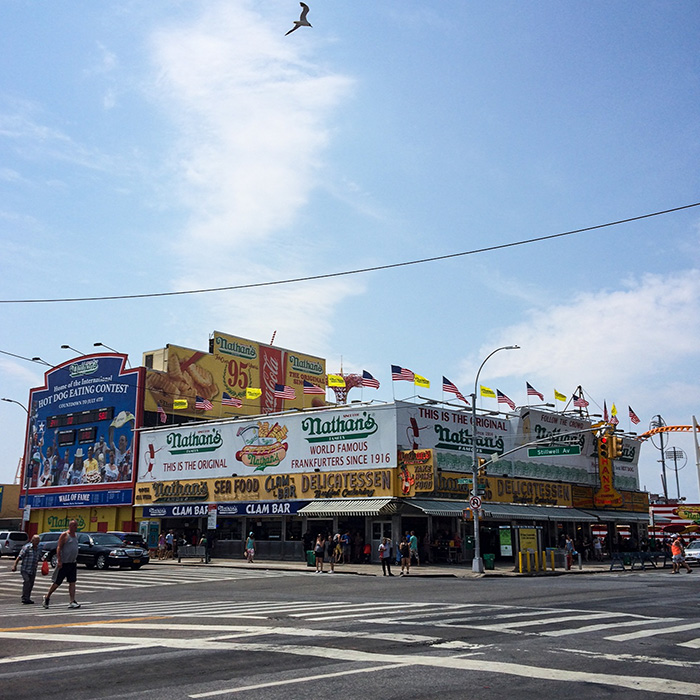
[425, 571]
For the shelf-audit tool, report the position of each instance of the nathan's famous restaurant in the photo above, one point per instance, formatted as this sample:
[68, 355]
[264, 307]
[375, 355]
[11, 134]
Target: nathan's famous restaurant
[215, 449]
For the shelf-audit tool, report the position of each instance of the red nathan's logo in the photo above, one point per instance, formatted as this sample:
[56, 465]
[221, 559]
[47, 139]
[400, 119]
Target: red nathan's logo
[271, 374]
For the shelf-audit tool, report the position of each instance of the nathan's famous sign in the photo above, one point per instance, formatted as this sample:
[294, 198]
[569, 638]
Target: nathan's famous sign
[332, 440]
[236, 378]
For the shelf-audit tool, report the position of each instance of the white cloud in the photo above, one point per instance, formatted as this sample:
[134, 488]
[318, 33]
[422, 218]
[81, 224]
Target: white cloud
[254, 119]
[638, 341]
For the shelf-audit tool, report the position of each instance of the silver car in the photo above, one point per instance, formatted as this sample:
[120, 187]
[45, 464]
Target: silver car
[692, 552]
[11, 541]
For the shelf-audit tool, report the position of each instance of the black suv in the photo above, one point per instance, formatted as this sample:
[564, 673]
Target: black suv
[48, 541]
[101, 550]
[133, 539]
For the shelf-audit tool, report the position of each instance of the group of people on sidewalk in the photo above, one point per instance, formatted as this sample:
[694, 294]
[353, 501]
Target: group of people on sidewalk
[407, 551]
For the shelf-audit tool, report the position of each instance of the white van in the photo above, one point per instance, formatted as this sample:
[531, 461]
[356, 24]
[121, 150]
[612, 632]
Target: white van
[12, 541]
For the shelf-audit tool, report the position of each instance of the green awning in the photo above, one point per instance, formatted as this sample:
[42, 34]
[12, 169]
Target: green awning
[617, 516]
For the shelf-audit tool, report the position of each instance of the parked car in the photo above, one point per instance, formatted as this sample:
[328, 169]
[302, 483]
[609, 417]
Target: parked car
[48, 542]
[131, 538]
[692, 552]
[101, 550]
[11, 541]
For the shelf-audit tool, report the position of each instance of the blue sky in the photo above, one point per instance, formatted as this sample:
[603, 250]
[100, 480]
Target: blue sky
[150, 147]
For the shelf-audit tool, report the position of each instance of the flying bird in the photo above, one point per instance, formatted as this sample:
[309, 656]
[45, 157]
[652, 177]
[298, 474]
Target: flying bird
[302, 21]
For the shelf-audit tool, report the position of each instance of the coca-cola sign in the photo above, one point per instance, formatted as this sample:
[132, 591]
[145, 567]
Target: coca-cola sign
[272, 371]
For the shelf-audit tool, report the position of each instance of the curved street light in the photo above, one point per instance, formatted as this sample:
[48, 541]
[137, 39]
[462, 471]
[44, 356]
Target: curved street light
[26, 410]
[102, 345]
[477, 562]
[41, 361]
[68, 347]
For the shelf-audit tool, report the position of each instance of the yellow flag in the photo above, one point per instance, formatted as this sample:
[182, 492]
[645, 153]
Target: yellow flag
[485, 391]
[335, 380]
[558, 396]
[252, 393]
[179, 404]
[421, 381]
[613, 410]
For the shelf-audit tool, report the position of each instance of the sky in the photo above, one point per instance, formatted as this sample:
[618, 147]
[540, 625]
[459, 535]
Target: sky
[150, 147]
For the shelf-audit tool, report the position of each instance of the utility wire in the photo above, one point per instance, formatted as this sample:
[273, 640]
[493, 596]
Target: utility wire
[254, 285]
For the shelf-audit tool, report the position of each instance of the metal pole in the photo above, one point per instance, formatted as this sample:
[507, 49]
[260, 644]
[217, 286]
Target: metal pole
[663, 463]
[478, 562]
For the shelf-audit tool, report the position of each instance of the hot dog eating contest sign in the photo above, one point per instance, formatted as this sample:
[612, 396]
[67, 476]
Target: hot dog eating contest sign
[333, 440]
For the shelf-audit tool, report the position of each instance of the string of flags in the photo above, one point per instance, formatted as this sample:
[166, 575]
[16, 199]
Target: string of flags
[398, 373]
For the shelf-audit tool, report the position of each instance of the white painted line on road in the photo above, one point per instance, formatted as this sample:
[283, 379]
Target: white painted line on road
[597, 628]
[510, 626]
[652, 633]
[289, 681]
[64, 653]
[655, 685]
[627, 658]
[692, 644]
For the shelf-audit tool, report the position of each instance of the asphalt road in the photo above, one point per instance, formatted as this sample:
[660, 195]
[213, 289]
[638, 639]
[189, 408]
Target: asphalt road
[178, 633]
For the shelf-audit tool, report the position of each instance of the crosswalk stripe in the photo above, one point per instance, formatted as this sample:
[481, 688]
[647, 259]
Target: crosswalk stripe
[654, 632]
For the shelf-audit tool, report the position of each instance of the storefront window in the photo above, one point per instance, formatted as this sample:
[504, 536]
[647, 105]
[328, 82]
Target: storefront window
[229, 529]
[266, 528]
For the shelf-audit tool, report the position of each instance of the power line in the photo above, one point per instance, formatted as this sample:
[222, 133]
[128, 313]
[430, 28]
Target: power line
[357, 271]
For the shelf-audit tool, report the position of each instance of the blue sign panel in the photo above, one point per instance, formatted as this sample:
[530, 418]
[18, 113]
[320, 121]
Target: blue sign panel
[81, 431]
[224, 510]
[73, 499]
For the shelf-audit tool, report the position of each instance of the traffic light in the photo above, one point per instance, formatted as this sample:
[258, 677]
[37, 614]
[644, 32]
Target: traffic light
[481, 469]
[604, 446]
[616, 447]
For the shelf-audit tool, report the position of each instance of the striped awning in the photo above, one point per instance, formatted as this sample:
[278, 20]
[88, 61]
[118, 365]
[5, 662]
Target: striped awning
[437, 508]
[512, 511]
[350, 506]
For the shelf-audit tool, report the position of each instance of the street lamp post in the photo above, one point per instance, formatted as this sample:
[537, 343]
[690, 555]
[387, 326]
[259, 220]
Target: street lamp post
[41, 362]
[477, 562]
[102, 345]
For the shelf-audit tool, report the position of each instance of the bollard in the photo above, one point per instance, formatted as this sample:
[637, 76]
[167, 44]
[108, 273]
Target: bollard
[552, 553]
[544, 560]
[580, 565]
[520, 561]
[537, 560]
[528, 560]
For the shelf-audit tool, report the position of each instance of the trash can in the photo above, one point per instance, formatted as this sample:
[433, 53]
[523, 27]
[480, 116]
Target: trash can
[310, 558]
[627, 559]
[489, 561]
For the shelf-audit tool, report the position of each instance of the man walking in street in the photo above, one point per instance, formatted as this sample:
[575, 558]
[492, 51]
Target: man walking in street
[29, 556]
[67, 564]
[678, 554]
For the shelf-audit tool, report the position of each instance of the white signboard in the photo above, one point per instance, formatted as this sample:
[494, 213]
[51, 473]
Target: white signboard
[334, 440]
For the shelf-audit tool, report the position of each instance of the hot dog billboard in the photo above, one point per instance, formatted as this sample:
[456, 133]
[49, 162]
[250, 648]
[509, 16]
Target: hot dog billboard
[237, 378]
[333, 440]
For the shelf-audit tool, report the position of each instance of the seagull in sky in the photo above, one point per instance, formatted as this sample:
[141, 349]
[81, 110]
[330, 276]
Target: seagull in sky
[302, 21]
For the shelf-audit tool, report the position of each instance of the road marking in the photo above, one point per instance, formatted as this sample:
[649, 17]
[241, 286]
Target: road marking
[510, 626]
[692, 644]
[80, 624]
[598, 628]
[655, 685]
[654, 632]
[337, 674]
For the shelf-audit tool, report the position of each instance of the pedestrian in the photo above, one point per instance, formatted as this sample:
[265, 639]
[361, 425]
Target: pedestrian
[66, 564]
[250, 548]
[678, 554]
[570, 551]
[169, 542]
[413, 546]
[345, 542]
[367, 553]
[385, 556]
[405, 551]
[597, 548]
[29, 556]
[203, 543]
[331, 554]
[161, 546]
[319, 551]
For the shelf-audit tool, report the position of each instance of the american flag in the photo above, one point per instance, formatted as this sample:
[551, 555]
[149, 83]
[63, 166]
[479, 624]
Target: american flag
[633, 416]
[369, 380]
[531, 391]
[401, 373]
[228, 400]
[606, 418]
[502, 398]
[579, 401]
[450, 388]
[310, 388]
[164, 418]
[205, 404]
[282, 391]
